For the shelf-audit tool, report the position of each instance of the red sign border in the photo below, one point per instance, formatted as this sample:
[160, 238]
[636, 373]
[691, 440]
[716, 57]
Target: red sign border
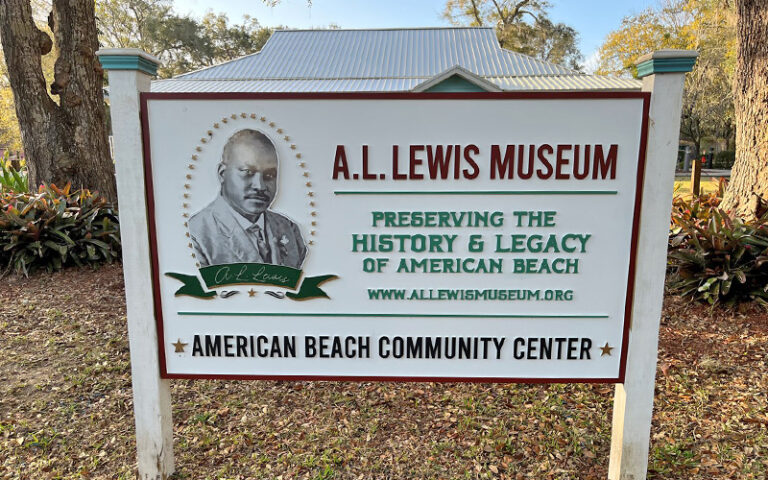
[145, 97]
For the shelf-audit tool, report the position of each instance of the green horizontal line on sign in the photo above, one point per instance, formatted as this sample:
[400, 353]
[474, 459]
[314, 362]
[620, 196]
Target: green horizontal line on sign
[475, 192]
[410, 315]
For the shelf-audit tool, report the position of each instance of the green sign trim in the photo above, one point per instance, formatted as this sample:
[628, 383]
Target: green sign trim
[128, 62]
[665, 65]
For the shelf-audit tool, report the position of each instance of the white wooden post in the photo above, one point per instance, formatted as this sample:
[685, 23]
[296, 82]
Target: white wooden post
[663, 74]
[130, 72]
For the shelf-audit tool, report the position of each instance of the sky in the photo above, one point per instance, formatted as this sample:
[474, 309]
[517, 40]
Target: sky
[593, 19]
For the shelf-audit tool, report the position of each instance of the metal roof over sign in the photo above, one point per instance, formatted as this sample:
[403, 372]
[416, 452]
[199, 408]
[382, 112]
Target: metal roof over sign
[383, 60]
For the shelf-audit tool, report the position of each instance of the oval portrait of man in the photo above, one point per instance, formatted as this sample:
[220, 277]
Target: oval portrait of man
[239, 225]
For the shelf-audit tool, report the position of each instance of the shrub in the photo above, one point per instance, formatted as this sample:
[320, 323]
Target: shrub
[724, 159]
[714, 257]
[692, 207]
[54, 228]
[12, 179]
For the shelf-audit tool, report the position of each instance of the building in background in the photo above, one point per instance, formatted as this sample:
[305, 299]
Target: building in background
[467, 59]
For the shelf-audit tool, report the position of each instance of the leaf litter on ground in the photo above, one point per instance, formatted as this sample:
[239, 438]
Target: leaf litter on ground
[66, 406]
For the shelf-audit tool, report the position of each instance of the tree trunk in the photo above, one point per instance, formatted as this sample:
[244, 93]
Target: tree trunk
[747, 194]
[65, 142]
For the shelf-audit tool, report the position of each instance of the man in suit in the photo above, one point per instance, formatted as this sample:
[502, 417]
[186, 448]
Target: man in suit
[238, 226]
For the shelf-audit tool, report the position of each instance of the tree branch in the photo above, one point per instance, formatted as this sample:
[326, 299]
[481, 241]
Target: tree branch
[476, 13]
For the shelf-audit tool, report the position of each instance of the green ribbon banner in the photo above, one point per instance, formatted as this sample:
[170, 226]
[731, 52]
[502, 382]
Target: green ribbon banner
[251, 274]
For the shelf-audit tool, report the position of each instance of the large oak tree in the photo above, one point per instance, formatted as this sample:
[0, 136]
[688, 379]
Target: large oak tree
[521, 25]
[64, 134]
[747, 194]
[181, 42]
[708, 26]
[65, 140]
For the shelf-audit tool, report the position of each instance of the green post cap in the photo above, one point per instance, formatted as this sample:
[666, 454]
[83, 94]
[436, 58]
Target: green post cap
[666, 61]
[128, 59]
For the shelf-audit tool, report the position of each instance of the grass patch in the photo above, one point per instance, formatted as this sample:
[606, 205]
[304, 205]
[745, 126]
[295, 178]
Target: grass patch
[707, 185]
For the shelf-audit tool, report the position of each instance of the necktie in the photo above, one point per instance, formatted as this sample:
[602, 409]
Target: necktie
[261, 243]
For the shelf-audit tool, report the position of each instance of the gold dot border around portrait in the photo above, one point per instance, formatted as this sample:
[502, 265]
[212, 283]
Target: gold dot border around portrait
[195, 160]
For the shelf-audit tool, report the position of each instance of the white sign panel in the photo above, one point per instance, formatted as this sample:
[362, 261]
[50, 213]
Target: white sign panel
[483, 237]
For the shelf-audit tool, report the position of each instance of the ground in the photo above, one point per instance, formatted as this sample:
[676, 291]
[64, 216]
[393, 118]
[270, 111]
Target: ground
[66, 412]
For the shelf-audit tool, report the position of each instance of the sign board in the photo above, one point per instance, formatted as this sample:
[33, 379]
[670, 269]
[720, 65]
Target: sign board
[461, 237]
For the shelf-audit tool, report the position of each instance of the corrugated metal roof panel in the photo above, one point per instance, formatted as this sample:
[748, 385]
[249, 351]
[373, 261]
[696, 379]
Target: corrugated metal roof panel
[395, 53]
[538, 83]
[383, 60]
[566, 82]
[328, 85]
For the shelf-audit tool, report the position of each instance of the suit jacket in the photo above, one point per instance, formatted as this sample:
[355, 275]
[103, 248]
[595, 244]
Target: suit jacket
[219, 239]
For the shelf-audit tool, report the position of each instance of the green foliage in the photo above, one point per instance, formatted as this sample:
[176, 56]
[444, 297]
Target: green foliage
[697, 207]
[182, 42]
[521, 25]
[553, 42]
[54, 228]
[11, 179]
[724, 159]
[708, 26]
[714, 257]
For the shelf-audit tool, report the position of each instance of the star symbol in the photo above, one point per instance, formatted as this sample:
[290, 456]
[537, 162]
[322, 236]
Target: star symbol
[606, 350]
[179, 346]
[251, 292]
